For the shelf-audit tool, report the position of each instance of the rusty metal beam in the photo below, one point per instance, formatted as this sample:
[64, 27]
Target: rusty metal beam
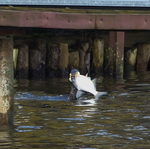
[41, 19]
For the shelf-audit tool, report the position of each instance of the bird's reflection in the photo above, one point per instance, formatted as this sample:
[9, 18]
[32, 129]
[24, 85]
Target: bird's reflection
[88, 100]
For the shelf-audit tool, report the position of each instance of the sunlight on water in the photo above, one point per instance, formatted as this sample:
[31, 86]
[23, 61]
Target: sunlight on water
[44, 117]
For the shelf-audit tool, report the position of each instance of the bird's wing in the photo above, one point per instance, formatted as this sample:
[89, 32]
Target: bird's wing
[84, 83]
[94, 82]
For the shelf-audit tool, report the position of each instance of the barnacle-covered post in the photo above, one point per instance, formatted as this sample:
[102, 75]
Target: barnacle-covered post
[6, 78]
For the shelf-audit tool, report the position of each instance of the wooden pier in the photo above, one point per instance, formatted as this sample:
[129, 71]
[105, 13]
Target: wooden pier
[50, 41]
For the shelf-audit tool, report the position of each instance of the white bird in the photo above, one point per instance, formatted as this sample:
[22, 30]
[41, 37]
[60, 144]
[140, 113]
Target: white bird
[83, 83]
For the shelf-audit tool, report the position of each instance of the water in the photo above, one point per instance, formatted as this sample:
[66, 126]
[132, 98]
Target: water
[44, 117]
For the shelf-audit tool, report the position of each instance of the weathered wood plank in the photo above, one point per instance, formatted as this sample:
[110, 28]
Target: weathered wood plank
[45, 19]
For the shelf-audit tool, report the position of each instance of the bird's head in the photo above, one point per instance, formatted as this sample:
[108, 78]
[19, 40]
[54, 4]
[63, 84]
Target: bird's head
[73, 74]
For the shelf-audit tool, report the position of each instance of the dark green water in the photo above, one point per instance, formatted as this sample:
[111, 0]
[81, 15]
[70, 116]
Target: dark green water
[44, 117]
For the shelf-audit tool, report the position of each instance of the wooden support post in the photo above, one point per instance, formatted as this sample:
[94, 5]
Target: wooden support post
[63, 59]
[74, 59]
[37, 59]
[143, 57]
[6, 78]
[15, 57]
[109, 54]
[119, 53]
[22, 67]
[115, 55]
[130, 60]
[57, 60]
[98, 55]
[84, 57]
[52, 60]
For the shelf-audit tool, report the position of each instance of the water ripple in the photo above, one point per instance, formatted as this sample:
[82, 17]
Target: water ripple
[27, 128]
[31, 96]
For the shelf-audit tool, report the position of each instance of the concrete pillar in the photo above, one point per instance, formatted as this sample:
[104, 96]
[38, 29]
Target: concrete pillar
[6, 77]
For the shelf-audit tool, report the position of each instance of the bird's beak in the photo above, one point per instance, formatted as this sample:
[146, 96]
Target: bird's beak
[73, 76]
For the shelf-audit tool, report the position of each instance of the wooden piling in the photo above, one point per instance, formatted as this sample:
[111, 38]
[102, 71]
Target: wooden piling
[84, 58]
[6, 77]
[115, 55]
[74, 59]
[22, 67]
[110, 54]
[143, 57]
[63, 59]
[98, 55]
[15, 57]
[130, 60]
[119, 54]
[52, 60]
[37, 59]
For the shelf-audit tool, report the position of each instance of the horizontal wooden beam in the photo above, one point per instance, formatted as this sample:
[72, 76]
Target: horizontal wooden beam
[123, 22]
[9, 31]
[42, 19]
